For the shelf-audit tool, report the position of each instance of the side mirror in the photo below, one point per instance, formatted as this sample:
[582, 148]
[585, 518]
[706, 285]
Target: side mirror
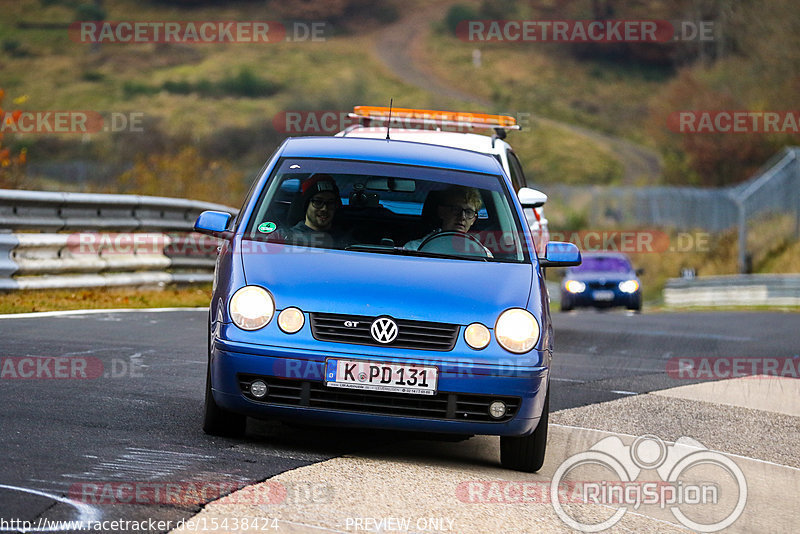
[558, 254]
[531, 198]
[213, 223]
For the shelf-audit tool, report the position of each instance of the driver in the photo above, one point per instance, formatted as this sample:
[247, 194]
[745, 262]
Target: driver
[457, 212]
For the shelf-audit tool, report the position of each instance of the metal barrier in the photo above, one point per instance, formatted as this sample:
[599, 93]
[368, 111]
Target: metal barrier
[52, 240]
[734, 290]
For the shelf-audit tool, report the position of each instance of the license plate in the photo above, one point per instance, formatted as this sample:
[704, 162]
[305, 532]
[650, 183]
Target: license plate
[603, 295]
[375, 376]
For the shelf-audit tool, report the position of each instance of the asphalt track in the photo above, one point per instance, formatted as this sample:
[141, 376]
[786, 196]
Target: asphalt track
[135, 418]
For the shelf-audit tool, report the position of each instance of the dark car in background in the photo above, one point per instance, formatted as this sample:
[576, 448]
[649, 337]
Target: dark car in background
[603, 280]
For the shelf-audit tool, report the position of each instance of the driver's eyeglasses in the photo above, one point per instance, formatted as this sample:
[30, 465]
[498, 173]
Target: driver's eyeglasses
[458, 211]
[330, 204]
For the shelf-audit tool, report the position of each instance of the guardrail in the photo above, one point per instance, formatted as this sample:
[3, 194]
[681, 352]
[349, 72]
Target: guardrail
[734, 290]
[52, 240]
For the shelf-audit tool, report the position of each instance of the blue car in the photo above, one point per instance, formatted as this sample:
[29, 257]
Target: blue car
[603, 280]
[383, 284]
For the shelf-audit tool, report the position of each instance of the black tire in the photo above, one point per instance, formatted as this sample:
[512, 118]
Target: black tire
[218, 421]
[527, 453]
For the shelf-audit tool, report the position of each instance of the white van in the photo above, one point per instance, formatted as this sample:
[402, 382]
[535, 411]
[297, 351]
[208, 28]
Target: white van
[453, 129]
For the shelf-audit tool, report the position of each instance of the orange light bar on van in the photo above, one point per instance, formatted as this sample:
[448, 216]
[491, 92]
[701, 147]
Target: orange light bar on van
[430, 116]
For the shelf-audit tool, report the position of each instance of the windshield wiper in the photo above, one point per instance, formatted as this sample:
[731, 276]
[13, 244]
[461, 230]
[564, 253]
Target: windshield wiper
[391, 249]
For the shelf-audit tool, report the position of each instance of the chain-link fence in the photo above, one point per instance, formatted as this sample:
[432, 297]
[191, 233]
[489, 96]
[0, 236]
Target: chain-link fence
[773, 190]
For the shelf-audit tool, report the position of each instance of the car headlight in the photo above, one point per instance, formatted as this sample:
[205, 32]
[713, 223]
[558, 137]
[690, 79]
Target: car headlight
[252, 308]
[291, 320]
[477, 336]
[517, 330]
[575, 286]
[629, 286]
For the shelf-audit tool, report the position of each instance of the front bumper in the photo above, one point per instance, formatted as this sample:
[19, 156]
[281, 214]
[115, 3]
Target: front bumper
[588, 299]
[297, 391]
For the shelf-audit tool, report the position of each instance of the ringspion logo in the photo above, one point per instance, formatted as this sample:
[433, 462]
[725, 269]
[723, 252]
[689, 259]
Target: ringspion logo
[690, 476]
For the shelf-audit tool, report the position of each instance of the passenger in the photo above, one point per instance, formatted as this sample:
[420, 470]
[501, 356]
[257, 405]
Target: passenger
[320, 200]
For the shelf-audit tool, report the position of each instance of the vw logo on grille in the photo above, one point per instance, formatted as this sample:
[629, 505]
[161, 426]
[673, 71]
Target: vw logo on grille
[383, 330]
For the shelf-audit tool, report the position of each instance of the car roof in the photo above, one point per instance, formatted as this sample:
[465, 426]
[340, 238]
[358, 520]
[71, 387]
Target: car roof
[391, 151]
[466, 141]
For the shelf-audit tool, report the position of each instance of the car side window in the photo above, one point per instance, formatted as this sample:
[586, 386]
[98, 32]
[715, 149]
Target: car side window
[517, 176]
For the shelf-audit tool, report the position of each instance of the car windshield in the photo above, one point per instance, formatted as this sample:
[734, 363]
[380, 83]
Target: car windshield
[408, 210]
[613, 264]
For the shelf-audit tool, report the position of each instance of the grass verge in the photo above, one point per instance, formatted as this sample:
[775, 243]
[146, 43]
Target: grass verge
[104, 298]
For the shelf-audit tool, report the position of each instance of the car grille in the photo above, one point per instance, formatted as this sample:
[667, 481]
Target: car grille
[603, 285]
[411, 334]
[443, 405]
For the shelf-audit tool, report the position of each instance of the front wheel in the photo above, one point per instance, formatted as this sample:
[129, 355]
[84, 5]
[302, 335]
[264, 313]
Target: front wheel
[218, 421]
[526, 453]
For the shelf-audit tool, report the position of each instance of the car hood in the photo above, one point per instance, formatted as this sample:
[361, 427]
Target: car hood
[372, 284]
[601, 276]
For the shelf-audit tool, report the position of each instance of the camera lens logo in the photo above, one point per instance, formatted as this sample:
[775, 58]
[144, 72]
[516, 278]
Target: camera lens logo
[622, 490]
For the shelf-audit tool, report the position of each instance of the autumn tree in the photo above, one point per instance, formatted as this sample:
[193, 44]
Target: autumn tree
[12, 166]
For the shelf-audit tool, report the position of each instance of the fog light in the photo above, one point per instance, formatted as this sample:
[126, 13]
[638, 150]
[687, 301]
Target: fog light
[497, 409]
[291, 320]
[258, 389]
[477, 336]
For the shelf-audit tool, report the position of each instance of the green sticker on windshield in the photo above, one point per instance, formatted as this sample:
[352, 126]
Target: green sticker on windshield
[267, 227]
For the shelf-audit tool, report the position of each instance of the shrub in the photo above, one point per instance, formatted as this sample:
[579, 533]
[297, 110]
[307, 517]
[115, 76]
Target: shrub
[248, 84]
[183, 174]
[458, 13]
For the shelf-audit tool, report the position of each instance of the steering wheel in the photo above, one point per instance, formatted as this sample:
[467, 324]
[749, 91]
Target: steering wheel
[459, 244]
